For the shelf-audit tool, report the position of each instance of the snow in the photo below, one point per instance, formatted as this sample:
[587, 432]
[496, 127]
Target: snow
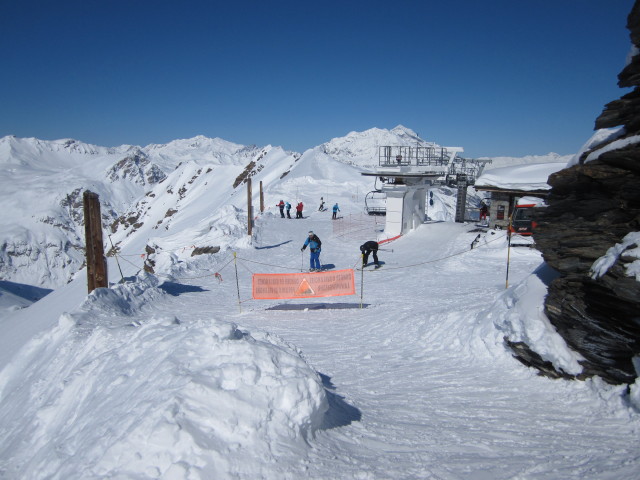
[527, 200]
[361, 148]
[180, 375]
[600, 137]
[527, 177]
[615, 145]
[499, 162]
[630, 247]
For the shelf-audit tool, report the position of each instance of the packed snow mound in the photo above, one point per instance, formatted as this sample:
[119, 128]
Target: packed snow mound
[119, 390]
[517, 314]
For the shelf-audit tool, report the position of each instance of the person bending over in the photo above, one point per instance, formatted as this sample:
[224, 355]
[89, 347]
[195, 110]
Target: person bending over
[367, 248]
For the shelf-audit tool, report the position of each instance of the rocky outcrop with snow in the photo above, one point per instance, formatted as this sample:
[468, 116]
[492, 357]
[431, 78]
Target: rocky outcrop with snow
[594, 206]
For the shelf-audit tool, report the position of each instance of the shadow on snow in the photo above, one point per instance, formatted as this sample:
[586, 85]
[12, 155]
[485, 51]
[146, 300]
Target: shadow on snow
[176, 289]
[273, 246]
[340, 413]
[317, 306]
[22, 290]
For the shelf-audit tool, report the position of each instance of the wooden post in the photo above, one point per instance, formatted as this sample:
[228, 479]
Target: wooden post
[249, 207]
[96, 261]
[261, 198]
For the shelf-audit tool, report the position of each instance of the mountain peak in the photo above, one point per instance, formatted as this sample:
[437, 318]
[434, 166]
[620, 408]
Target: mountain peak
[402, 130]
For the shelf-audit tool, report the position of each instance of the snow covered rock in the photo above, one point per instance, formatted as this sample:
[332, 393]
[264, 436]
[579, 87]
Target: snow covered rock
[594, 206]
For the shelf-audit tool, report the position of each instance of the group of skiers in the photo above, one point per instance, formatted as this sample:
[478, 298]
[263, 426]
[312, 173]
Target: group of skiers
[315, 244]
[287, 206]
[282, 205]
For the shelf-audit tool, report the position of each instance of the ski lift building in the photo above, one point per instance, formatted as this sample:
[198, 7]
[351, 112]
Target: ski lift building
[405, 173]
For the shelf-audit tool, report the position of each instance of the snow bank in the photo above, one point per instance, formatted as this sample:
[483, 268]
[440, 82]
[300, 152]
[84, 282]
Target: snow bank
[118, 390]
[518, 314]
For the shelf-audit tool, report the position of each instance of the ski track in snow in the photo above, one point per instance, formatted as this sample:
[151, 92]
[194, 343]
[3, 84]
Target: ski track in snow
[418, 396]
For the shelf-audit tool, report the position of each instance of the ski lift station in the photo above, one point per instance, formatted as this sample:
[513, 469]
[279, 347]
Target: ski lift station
[406, 172]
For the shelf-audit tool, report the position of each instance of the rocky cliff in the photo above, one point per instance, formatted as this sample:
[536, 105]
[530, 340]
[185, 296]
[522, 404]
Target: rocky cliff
[593, 206]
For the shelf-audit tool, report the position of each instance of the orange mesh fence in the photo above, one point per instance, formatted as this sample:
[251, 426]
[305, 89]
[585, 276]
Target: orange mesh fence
[267, 286]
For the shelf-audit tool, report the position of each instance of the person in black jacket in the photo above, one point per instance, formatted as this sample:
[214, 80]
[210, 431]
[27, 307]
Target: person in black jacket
[367, 248]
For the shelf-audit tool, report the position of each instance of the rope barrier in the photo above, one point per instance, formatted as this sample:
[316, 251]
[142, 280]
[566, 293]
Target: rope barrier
[462, 252]
[175, 250]
[265, 264]
[389, 268]
[216, 274]
[360, 258]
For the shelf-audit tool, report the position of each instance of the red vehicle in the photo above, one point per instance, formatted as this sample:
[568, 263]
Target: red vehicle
[522, 221]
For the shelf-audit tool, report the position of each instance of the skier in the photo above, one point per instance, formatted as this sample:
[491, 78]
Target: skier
[367, 248]
[288, 207]
[321, 207]
[336, 209]
[484, 210]
[299, 208]
[314, 244]
[281, 207]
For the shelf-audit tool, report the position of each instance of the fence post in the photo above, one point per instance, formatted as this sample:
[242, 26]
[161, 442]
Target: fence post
[249, 208]
[96, 261]
[261, 198]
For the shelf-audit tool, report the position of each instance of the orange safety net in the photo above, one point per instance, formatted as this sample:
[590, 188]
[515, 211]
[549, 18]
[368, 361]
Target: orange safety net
[267, 286]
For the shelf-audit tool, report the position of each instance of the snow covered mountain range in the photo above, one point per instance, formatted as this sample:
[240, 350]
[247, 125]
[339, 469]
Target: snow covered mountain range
[145, 192]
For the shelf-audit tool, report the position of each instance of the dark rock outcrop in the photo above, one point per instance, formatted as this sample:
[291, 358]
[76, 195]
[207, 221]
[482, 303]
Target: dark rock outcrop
[592, 206]
[204, 251]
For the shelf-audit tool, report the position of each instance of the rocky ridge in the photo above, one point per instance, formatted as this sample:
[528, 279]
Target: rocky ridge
[593, 206]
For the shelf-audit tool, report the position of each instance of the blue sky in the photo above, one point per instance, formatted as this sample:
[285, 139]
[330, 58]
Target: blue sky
[497, 77]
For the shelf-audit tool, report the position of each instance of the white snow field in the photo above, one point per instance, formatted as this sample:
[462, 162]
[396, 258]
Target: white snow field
[181, 375]
[148, 382]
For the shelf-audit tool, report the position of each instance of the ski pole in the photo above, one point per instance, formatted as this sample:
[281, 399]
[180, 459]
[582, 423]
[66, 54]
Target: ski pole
[386, 249]
[301, 260]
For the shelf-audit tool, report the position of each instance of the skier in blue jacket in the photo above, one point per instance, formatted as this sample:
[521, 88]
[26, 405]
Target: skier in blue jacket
[314, 244]
[336, 209]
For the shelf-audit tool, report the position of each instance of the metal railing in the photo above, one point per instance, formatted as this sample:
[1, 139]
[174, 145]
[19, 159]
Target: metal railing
[418, 156]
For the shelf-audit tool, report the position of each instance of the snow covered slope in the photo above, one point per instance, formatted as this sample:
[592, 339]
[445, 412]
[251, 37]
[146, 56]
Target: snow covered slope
[149, 193]
[168, 376]
[42, 232]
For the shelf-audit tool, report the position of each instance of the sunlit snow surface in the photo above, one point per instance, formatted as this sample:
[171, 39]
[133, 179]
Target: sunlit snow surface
[180, 375]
